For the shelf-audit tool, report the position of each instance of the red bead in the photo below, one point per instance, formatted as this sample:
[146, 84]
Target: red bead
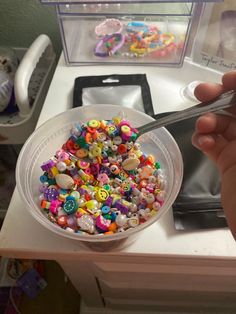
[122, 149]
[73, 151]
[62, 221]
[91, 130]
[64, 147]
[148, 163]
[142, 158]
[70, 144]
[87, 197]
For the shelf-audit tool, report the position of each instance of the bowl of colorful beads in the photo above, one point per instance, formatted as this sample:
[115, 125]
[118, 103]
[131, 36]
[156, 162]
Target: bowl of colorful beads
[89, 179]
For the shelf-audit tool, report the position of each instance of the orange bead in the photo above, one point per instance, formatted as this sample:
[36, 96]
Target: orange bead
[103, 124]
[88, 138]
[150, 206]
[151, 158]
[143, 183]
[108, 232]
[81, 153]
[112, 227]
[91, 130]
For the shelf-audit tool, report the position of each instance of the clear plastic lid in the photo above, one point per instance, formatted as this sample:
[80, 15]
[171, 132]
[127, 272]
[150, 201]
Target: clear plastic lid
[58, 2]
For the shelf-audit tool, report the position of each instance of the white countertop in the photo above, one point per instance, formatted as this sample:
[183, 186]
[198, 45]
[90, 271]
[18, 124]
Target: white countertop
[21, 236]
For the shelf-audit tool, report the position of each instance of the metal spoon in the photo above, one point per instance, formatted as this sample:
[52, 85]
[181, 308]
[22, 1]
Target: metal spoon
[225, 100]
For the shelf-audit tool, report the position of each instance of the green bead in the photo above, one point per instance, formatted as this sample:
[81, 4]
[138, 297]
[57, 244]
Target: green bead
[51, 181]
[157, 165]
[70, 206]
[132, 172]
[107, 187]
[107, 216]
[81, 142]
[133, 137]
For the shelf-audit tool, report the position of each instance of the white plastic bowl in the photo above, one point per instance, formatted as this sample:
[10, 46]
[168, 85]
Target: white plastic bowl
[50, 136]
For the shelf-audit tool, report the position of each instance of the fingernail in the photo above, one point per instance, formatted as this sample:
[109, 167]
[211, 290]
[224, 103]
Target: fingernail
[201, 140]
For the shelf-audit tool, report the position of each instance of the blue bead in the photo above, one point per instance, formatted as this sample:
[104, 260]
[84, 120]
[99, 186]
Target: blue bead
[113, 216]
[43, 178]
[105, 209]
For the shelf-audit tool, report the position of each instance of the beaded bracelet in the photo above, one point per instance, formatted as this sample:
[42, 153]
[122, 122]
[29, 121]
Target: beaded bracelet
[108, 27]
[117, 37]
[153, 43]
[133, 27]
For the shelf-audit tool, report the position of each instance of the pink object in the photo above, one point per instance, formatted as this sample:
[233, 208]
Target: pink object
[103, 178]
[62, 155]
[102, 223]
[54, 206]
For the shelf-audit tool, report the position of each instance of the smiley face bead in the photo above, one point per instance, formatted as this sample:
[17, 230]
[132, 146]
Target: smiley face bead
[102, 195]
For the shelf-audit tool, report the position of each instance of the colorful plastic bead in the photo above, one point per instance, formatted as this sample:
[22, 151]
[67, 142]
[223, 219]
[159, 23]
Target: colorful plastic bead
[100, 181]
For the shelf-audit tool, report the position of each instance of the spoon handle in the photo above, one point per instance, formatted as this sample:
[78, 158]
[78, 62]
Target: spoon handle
[225, 100]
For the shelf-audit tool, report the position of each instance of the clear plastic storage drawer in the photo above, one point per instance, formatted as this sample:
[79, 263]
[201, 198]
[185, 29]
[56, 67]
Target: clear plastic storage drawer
[111, 32]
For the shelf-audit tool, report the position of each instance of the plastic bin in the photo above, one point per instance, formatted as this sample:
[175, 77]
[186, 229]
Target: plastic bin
[121, 32]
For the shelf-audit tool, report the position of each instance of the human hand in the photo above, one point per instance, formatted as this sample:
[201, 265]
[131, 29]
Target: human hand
[215, 136]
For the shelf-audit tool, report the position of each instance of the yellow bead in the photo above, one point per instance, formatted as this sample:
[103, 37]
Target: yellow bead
[96, 214]
[138, 153]
[153, 212]
[102, 195]
[116, 120]
[82, 211]
[95, 124]
[115, 197]
[62, 197]
[125, 129]
[91, 204]
[126, 203]
[96, 151]
[100, 145]
[54, 171]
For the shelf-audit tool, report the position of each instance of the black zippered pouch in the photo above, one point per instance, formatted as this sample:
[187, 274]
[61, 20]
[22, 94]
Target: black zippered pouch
[128, 90]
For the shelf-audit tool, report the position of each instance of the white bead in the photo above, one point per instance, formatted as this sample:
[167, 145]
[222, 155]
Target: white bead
[64, 181]
[133, 221]
[61, 166]
[150, 198]
[114, 148]
[130, 163]
[121, 220]
[41, 197]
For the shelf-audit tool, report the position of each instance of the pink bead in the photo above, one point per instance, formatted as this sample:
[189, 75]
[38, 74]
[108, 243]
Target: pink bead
[103, 178]
[62, 155]
[102, 223]
[124, 122]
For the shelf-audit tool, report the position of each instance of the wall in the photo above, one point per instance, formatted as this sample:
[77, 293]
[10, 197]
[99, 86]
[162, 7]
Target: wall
[21, 21]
